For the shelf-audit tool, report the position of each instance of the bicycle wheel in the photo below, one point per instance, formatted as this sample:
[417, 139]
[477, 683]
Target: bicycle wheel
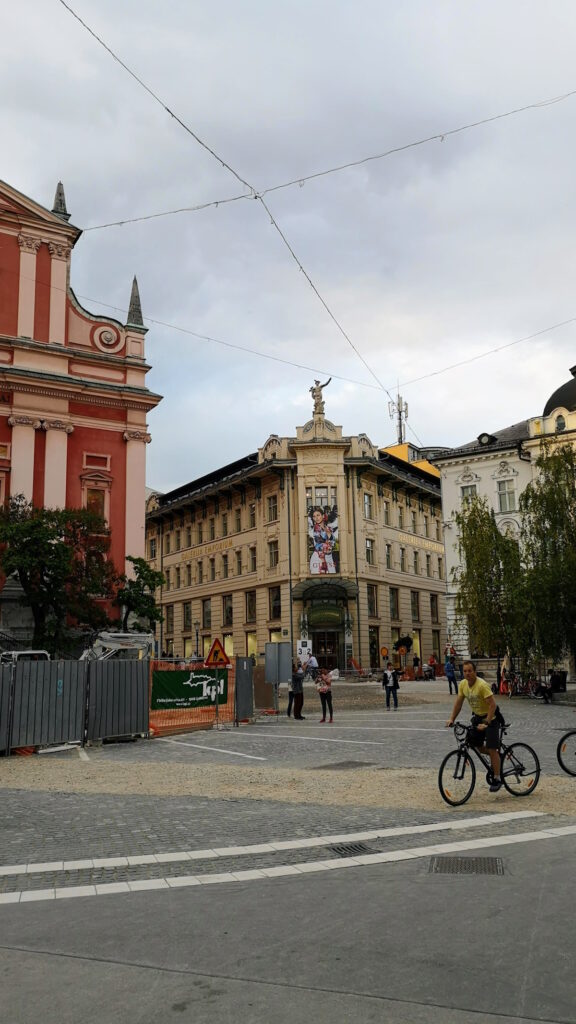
[456, 777]
[566, 753]
[520, 769]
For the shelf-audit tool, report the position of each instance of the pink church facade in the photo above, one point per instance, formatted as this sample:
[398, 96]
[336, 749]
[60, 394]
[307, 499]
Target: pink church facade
[73, 395]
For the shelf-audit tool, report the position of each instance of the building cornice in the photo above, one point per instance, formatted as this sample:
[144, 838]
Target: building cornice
[69, 352]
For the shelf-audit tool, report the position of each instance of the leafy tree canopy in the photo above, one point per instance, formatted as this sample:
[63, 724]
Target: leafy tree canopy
[136, 593]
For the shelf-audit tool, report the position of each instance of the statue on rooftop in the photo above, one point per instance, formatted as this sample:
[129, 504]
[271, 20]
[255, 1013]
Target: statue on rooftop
[316, 392]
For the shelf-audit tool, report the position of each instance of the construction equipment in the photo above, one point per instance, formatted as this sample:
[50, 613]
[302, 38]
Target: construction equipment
[133, 646]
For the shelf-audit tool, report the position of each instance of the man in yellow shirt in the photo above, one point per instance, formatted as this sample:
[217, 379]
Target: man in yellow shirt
[484, 710]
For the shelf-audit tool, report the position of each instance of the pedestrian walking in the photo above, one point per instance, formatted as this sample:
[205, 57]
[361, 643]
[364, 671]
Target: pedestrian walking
[298, 691]
[324, 687]
[416, 666]
[450, 673]
[390, 684]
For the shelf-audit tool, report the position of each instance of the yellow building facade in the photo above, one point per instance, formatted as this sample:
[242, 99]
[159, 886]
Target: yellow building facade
[319, 539]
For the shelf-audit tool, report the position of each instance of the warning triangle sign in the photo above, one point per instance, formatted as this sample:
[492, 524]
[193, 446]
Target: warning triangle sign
[217, 657]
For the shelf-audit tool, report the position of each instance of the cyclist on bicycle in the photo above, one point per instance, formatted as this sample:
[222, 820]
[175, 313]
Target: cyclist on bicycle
[485, 714]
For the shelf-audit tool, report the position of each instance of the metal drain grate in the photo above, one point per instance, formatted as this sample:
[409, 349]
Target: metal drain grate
[349, 849]
[466, 866]
[341, 766]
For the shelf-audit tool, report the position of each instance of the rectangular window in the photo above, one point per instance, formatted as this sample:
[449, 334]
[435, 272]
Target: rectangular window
[206, 645]
[333, 495]
[228, 639]
[272, 508]
[415, 605]
[251, 645]
[321, 496]
[177, 580]
[227, 618]
[207, 613]
[200, 533]
[224, 567]
[428, 565]
[414, 523]
[275, 607]
[252, 552]
[368, 509]
[200, 572]
[438, 530]
[370, 555]
[467, 493]
[252, 515]
[506, 496]
[275, 636]
[400, 517]
[426, 526]
[416, 562]
[167, 577]
[436, 643]
[440, 568]
[272, 553]
[212, 529]
[374, 646]
[212, 565]
[96, 501]
[388, 556]
[166, 543]
[169, 609]
[402, 559]
[177, 541]
[189, 575]
[308, 497]
[238, 520]
[187, 617]
[224, 524]
[386, 513]
[188, 536]
[250, 606]
[434, 608]
[372, 600]
[152, 547]
[238, 563]
[394, 603]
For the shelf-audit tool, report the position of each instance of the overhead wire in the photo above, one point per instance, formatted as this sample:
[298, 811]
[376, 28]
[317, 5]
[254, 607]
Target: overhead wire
[256, 194]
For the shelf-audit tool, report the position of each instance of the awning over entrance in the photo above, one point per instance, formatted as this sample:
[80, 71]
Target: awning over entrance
[324, 590]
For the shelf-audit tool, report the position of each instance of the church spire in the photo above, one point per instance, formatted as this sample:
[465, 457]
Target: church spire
[135, 310]
[59, 207]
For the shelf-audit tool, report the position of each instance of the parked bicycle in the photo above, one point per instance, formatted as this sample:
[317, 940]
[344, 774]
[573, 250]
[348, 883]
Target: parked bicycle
[522, 686]
[520, 767]
[566, 752]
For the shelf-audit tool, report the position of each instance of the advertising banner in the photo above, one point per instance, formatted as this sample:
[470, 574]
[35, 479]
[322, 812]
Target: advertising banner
[199, 688]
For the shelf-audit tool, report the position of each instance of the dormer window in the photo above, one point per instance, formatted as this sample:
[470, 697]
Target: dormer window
[485, 439]
[560, 424]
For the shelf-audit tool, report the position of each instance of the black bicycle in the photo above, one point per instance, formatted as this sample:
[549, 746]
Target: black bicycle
[520, 767]
[566, 752]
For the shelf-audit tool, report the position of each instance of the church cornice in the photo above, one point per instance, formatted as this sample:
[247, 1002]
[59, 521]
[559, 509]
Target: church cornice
[132, 398]
[84, 354]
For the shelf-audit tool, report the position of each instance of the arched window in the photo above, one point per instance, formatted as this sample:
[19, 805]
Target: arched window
[560, 424]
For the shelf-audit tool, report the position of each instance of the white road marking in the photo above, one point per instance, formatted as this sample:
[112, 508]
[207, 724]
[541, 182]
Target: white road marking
[356, 743]
[271, 847]
[201, 746]
[367, 860]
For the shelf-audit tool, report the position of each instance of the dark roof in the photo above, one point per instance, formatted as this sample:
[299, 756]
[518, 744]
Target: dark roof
[564, 397]
[195, 489]
[500, 440]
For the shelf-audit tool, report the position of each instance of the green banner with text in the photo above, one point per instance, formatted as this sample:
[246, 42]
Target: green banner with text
[190, 689]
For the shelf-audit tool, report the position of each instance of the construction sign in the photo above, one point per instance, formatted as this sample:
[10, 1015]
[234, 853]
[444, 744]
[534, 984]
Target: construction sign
[217, 657]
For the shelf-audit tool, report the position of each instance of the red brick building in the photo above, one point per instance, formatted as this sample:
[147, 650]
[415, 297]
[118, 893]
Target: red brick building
[73, 395]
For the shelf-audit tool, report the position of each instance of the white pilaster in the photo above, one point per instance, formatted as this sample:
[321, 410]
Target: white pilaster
[22, 455]
[56, 462]
[136, 441]
[27, 285]
[58, 284]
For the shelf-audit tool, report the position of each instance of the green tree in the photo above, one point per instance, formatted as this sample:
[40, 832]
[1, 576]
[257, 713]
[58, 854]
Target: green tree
[490, 598]
[59, 558]
[548, 507]
[136, 593]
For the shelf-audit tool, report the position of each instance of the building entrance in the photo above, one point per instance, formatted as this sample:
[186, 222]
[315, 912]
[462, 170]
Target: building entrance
[325, 644]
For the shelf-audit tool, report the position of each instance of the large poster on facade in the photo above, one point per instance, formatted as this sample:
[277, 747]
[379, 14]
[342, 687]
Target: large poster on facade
[180, 690]
[323, 547]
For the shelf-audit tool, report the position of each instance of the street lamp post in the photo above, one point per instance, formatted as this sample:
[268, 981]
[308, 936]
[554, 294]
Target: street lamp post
[197, 627]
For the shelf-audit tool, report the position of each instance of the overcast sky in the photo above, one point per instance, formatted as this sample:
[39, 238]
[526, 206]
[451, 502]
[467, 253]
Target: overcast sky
[426, 258]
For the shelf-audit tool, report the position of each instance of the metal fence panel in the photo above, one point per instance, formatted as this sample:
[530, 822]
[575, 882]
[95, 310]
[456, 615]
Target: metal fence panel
[48, 702]
[5, 674]
[244, 689]
[117, 698]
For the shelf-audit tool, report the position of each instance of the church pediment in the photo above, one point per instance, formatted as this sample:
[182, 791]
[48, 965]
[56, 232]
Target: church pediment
[25, 212]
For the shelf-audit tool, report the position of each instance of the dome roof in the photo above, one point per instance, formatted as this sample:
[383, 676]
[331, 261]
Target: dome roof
[564, 397]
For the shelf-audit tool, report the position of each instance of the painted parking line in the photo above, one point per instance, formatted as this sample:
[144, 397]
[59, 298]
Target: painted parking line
[254, 874]
[202, 746]
[356, 743]
[270, 847]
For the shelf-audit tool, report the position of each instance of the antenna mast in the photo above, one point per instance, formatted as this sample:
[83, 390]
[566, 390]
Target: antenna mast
[399, 410]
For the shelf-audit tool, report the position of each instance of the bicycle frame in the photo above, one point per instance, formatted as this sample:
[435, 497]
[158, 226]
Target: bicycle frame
[462, 733]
